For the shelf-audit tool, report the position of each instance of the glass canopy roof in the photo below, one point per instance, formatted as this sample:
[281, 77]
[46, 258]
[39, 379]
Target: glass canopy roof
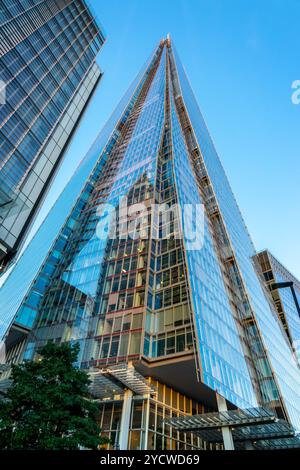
[256, 425]
[113, 380]
[216, 420]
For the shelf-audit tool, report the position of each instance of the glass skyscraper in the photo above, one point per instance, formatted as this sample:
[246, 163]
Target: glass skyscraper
[285, 293]
[47, 65]
[145, 261]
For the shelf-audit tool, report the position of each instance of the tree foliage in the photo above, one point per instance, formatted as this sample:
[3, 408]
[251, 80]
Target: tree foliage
[48, 405]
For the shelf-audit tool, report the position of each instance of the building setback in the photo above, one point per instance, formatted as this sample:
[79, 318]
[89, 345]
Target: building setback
[47, 65]
[166, 327]
[285, 293]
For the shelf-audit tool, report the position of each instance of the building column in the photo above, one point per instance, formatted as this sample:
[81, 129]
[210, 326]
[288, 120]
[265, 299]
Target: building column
[226, 431]
[147, 415]
[125, 420]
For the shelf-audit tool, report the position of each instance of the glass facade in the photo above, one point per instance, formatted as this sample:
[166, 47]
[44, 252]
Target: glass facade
[284, 370]
[125, 282]
[223, 363]
[286, 297]
[47, 62]
[147, 429]
[26, 270]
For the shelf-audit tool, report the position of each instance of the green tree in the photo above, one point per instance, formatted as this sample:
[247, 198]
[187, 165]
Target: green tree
[48, 405]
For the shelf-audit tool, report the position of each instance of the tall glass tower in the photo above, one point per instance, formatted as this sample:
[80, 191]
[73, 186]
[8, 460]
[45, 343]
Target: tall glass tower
[146, 262]
[47, 66]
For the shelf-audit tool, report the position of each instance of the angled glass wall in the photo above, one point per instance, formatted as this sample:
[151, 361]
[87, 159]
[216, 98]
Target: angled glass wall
[25, 270]
[281, 360]
[144, 294]
[285, 293]
[223, 364]
[48, 64]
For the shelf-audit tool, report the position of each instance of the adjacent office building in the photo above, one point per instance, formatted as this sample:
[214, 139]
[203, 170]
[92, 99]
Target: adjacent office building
[285, 292]
[169, 311]
[47, 66]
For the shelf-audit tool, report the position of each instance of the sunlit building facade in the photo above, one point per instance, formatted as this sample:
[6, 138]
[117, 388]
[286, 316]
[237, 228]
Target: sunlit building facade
[285, 293]
[47, 65]
[168, 309]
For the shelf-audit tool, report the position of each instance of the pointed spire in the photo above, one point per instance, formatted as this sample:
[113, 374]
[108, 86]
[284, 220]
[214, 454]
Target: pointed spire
[168, 40]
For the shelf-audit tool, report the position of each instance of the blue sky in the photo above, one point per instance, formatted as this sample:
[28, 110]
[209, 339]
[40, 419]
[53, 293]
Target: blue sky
[241, 58]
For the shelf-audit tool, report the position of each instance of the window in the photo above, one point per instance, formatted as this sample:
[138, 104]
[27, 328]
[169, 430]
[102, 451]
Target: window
[161, 347]
[114, 347]
[123, 283]
[129, 301]
[137, 415]
[167, 297]
[117, 324]
[178, 316]
[131, 282]
[171, 344]
[139, 299]
[118, 267]
[105, 348]
[121, 304]
[137, 321]
[124, 340]
[135, 341]
[180, 342]
[115, 286]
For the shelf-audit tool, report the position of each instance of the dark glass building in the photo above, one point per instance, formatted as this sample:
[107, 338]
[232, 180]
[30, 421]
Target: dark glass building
[47, 64]
[161, 293]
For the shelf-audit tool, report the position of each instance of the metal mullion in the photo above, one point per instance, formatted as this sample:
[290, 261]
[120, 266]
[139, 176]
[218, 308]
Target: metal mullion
[51, 96]
[9, 28]
[44, 48]
[22, 13]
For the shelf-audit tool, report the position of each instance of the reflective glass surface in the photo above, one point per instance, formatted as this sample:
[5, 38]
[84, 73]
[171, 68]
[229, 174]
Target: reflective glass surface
[279, 351]
[42, 73]
[223, 365]
[123, 298]
[292, 319]
[27, 267]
